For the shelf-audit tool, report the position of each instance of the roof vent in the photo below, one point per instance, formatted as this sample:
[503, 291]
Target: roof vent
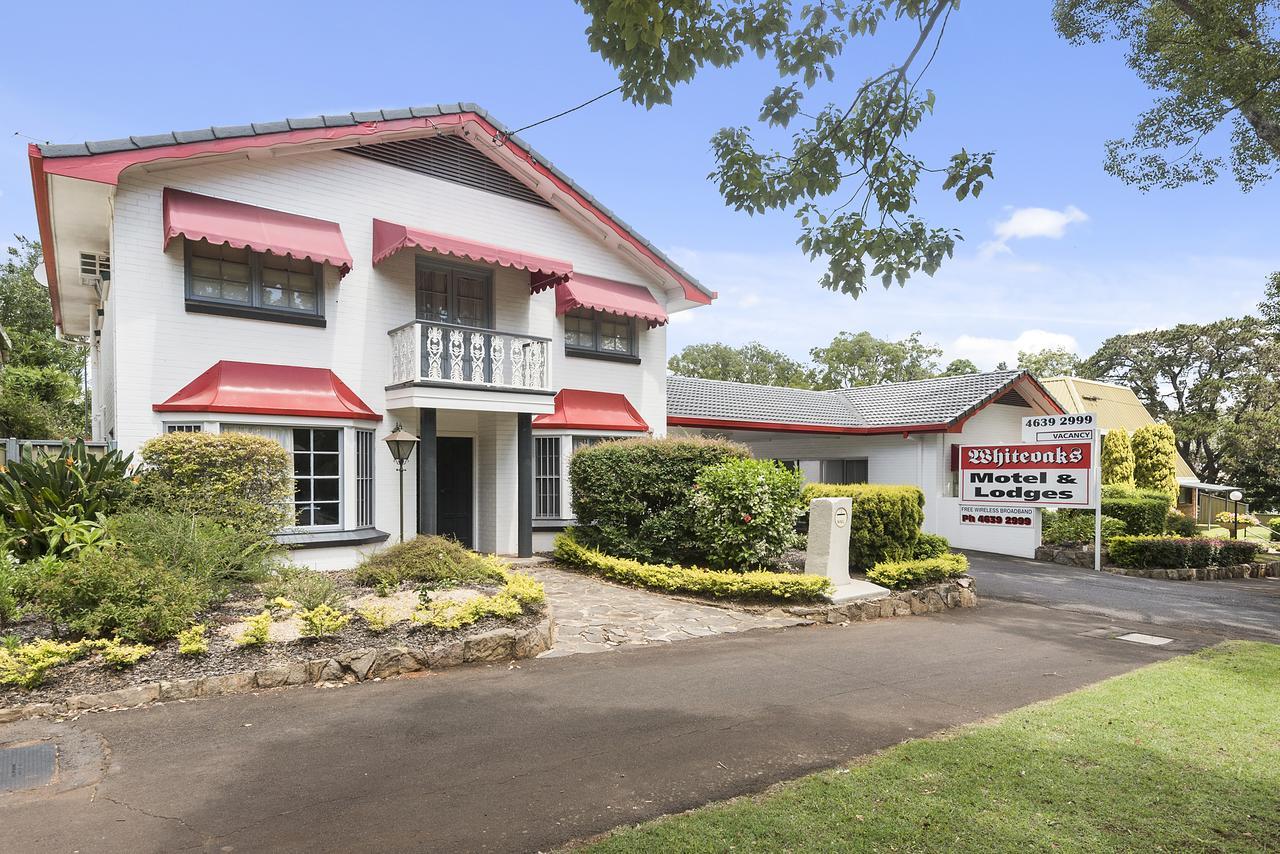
[449, 158]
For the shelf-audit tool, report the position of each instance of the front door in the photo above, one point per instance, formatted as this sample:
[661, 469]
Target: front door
[454, 489]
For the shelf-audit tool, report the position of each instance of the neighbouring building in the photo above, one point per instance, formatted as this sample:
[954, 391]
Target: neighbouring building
[322, 280]
[1116, 407]
[895, 433]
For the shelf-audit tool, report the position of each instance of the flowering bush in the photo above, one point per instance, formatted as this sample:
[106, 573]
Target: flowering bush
[1226, 519]
[746, 513]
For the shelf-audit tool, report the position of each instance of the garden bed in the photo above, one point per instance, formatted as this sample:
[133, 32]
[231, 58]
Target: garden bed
[1083, 557]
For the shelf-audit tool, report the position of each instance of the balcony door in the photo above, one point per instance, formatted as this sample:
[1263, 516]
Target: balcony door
[460, 296]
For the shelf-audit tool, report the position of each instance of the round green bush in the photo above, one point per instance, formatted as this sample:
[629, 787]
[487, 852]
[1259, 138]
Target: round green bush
[930, 545]
[634, 498]
[1180, 524]
[746, 513]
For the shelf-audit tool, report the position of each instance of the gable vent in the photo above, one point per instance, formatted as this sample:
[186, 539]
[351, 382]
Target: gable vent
[449, 158]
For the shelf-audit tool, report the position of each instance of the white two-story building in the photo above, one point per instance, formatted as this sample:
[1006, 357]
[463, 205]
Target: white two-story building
[323, 280]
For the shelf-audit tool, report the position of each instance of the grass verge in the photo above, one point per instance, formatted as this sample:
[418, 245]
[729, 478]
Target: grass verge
[1180, 756]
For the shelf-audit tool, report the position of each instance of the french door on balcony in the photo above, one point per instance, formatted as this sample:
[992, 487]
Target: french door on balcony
[457, 295]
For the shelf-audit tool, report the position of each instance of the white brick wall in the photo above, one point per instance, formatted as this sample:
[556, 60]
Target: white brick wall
[162, 347]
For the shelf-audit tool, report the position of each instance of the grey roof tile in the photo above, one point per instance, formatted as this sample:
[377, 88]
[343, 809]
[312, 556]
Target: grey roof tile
[889, 405]
[346, 120]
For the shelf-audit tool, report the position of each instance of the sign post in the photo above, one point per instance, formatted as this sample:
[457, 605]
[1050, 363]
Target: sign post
[1055, 465]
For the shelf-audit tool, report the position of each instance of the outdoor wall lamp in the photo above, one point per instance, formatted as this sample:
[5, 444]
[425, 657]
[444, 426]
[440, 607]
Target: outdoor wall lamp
[401, 443]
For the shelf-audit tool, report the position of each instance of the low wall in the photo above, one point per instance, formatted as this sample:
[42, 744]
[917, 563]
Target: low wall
[931, 599]
[1083, 557]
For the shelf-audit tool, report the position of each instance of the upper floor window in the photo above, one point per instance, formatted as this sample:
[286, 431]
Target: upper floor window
[225, 280]
[587, 331]
[458, 295]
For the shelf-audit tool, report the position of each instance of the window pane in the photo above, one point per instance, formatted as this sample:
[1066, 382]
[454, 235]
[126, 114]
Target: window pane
[301, 489]
[235, 292]
[325, 514]
[325, 489]
[433, 294]
[302, 440]
[615, 334]
[326, 465]
[579, 331]
[471, 299]
[326, 440]
[208, 268]
[301, 465]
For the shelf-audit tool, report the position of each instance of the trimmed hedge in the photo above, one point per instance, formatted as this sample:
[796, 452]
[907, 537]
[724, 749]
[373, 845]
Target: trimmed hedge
[1143, 552]
[633, 498]
[1140, 514]
[1061, 527]
[905, 574]
[717, 584]
[930, 545]
[884, 523]
[746, 513]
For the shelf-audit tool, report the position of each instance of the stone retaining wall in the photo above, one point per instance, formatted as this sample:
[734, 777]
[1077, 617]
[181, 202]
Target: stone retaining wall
[932, 599]
[500, 644]
[1071, 556]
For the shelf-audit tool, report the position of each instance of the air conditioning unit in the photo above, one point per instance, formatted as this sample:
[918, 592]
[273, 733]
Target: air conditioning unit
[95, 269]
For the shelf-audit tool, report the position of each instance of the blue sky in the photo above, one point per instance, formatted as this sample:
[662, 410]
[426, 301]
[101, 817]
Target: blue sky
[1056, 251]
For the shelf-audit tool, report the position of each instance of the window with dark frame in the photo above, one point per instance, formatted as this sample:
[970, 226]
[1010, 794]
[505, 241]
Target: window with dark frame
[450, 294]
[364, 478]
[317, 477]
[546, 478]
[261, 282]
[182, 428]
[589, 331]
[844, 471]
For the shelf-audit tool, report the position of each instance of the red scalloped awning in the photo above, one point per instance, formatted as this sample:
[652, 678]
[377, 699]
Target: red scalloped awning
[251, 388]
[389, 238]
[607, 295]
[580, 409]
[242, 226]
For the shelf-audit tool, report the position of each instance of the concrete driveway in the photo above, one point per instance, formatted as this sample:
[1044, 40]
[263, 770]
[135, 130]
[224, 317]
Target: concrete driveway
[1245, 608]
[529, 757]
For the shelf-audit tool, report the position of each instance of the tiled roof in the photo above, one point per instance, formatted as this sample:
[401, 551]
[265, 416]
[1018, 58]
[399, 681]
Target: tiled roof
[134, 143]
[908, 404]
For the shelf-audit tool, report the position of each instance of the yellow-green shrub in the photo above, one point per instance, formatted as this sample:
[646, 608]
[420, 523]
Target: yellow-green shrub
[322, 621]
[905, 574]
[27, 665]
[518, 591]
[256, 630]
[377, 618]
[192, 640]
[884, 522]
[120, 655]
[719, 584]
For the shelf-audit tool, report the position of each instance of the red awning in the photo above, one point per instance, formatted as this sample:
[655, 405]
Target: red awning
[248, 227]
[592, 410]
[389, 238]
[250, 388]
[607, 295]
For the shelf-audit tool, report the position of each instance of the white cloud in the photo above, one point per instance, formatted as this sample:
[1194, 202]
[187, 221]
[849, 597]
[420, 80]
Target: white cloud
[1031, 222]
[988, 352]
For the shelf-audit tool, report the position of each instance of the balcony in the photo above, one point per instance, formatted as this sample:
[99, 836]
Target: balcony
[471, 359]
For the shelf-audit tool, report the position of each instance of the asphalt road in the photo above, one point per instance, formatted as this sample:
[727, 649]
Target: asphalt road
[1246, 608]
[526, 758]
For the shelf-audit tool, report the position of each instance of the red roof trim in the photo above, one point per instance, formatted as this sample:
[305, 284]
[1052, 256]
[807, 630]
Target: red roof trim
[251, 388]
[106, 168]
[40, 189]
[581, 409]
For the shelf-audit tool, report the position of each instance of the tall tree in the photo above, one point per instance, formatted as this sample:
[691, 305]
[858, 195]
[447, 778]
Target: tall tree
[1154, 454]
[750, 363]
[1050, 362]
[958, 368]
[1251, 450]
[1194, 377]
[40, 384]
[1219, 63]
[1117, 458]
[849, 175]
[1270, 306]
[863, 359]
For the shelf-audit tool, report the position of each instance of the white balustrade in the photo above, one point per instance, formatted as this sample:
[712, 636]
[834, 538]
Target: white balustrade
[445, 354]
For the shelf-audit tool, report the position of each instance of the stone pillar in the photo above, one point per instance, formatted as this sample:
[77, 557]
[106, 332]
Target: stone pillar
[427, 485]
[524, 480]
[828, 549]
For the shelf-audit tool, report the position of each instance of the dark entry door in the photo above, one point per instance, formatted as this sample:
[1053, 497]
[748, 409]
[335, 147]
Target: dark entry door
[454, 489]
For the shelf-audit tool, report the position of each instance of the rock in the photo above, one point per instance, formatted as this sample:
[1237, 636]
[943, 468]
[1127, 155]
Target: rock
[272, 677]
[296, 674]
[968, 599]
[393, 661]
[533, 642]
[359, 665]
[179, 689]
[449, 653]
[17, 713]
[493, 645]
[901, 605]
[917, 604]
[134, 695]
[933, 601]
[230, 683]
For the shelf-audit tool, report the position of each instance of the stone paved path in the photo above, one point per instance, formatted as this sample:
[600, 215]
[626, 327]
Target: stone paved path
[595, 616]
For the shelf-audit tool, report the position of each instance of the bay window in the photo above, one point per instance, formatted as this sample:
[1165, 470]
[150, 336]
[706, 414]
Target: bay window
[221, 279]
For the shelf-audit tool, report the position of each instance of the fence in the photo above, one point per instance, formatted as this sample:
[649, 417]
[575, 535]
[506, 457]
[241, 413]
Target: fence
[25, 449]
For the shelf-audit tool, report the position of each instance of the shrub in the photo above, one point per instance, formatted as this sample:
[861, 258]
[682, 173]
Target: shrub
[450, 614]
[1140, 514]
[109, 591]
[633, 498]
[1069, 527]
[1142, 552]
[195, 544]
[10, 603]
[322, 621]
[27, 664]
[120, 655]
[425, 560]
[1226, 519]
[905, 574]
[256, 630]
[717, 584]
[746, 511]
[288, 587]
[930, 545]
[243, 481]
[1117, 457]
[1154, 459]
[377, 618]
[74, 484]
[884, 523]
[1274, 525]
[193, 640]
[1179, 524]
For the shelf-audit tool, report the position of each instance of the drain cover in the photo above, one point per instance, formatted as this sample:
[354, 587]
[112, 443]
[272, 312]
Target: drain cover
[1149, 640]
[27, 766]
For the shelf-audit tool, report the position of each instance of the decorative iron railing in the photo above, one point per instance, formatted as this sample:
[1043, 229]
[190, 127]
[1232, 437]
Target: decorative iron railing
[446, 354]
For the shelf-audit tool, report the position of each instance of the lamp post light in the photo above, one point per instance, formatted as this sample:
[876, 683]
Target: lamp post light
[401, 444]
[1235, 495]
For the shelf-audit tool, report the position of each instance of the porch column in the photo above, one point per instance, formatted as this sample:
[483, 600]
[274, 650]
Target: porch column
[427, 488]
[524, 482]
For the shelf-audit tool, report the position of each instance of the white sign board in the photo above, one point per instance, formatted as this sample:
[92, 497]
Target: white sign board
[1031, 474]
[1081, 427]
[997, 516]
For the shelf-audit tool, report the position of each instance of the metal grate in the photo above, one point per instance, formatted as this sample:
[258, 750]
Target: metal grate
[547, 477]
[449, 158]
[27, 766]
[364, 478]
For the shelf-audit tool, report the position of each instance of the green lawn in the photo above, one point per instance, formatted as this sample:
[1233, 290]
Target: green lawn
[1251, 532]
[1180, 756]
